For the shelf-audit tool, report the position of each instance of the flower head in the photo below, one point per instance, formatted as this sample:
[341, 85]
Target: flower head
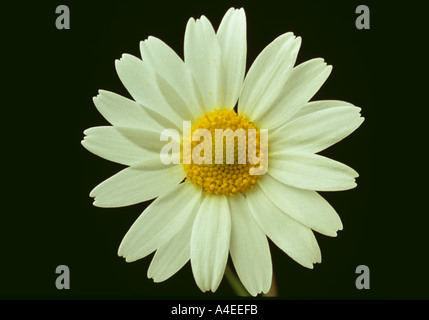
[213, 202]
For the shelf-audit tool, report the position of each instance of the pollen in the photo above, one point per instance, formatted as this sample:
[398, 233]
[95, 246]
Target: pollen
[226, 166]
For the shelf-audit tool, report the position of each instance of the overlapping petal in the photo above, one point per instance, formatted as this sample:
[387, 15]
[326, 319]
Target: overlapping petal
[311, 171]
[148, 88]
[316, 131]
[210, 242]
[267, 76]
[319, 105]
[295, 239]
[232, 41]
[137, 184]
[203, 57]
[305, 206]
[172, 255]
[128, 146]
[178, 88]
[123, 112]
[160, 222]
[249, 248]
[302, 84]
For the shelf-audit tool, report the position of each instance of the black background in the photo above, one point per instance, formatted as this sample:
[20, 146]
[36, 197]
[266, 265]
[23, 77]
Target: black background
[50, 77]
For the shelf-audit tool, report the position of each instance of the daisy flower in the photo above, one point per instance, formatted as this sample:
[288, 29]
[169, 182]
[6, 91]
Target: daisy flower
[204, 212]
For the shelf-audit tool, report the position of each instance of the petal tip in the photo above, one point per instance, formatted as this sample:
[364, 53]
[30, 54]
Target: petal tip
[129, 260]
[86, 131]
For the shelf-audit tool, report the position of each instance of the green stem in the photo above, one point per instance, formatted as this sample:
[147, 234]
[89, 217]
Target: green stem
[273, 290]
[239, 289]
[235, 283]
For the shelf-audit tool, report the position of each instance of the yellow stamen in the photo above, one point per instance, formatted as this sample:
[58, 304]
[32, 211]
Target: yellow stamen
[224, 178]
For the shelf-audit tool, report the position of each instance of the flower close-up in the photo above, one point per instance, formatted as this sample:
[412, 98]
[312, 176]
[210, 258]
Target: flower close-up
[210, 204]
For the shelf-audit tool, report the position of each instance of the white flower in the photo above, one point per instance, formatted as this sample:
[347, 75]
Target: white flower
[203, 213]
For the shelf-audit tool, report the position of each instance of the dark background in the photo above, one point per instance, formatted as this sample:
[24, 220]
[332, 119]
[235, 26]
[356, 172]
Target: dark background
[50, 77]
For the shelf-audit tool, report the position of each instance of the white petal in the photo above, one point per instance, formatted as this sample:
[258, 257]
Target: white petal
[127, 146]
[268, 75]
[123, 112]
[173, 255]
[144, 86]
[232, 40]
[311, 171]
[295, 239]
[160, 222]
[137, 184]
[203, 57]
[210, 242]
[173, 71]
[305, 80]
[305, 206]
[315, 106]
[249, 248]
[316, 131]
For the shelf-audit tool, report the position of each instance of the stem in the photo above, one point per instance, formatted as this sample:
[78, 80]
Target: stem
[239, 289]
[235, 283]
[273, 290]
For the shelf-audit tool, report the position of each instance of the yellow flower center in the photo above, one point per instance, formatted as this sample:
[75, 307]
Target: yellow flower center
[229, 171]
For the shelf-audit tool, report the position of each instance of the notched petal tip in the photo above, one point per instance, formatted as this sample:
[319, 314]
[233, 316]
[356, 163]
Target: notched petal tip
[288, 35]
[127, 56]
[191, 22]
[124, 58]
[356, 109]
[316, 261]
[202, 18]
[101, 203]
[236, 11]
[92, 194]
[333, 233]
[318, 60]
[102, 93]
[86, 132]
[129, 260]
[96, 99]
[84, 143]
[117, 64]
[255, 294]
[156, 280]
[339, 228]
[149, 38]
[230, 10]
[321, 63]
[120, 251]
